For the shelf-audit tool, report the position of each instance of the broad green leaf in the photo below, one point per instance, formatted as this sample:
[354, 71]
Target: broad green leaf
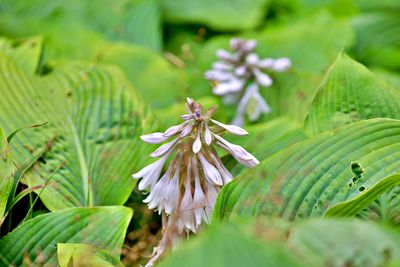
[36, 240]
[348, 93]
[391, 77]
[6, 173]
[91, 142]
[134, 21]
[306, 7]
[312, 175]
[221, 15]
[225, 245]
[74, 255]
[345, 243]
[158, 82]
[372, 5]
[378, 39]
[26, 52]
[354, 206]
[266, 139]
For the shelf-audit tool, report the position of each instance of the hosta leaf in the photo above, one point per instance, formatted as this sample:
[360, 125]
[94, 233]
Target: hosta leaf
[158, 82]
[134, 21]
[70, 255]
[348, 93]
[311, 176]
[378, 39]
[90, 145]
[265, 140]
[26, 52]
[224, 245]
[345, 243]
[220, 15]
[354, 206]
[6, 173]
[36, 240]
[391, 77]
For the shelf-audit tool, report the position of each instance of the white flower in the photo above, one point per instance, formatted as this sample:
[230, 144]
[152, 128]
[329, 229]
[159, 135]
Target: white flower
[185, 194]
[238, 72]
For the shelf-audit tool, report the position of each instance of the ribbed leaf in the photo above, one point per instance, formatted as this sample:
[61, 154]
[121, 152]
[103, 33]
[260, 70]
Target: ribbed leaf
[348, 93]
[70, 255]
[265, 139]
[36, 240]
[310, 176]
[379, 41]
[6, 173]
[134, 21]
[354, 206]
[90, 145]
[225, 245]
[345, 243]
[26, 52]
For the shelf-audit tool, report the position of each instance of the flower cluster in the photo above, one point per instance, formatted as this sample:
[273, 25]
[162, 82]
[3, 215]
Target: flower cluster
[186, 192]
[238, 76]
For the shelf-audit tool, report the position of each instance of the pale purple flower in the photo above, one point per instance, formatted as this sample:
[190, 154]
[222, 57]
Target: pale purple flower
[186, 192]
[237, 76]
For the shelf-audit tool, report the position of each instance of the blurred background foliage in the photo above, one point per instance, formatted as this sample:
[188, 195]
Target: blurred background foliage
[163, 48]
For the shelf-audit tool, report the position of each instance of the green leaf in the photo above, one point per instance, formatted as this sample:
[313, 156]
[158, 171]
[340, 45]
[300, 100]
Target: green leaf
[266, 139]
[354, 206]
[378, 39]
[36, 240]
[26, 52]
[312, 175]
[391, 77]
[225, 245]
[158, 82]
[134, 21]
[348, 93]
[70, 255]
[219, 15]
[6, 173]
[345, 243]
[92, 137]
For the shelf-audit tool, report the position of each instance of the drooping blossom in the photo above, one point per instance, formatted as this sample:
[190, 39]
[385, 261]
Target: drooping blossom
[238, 76]
[186, 191]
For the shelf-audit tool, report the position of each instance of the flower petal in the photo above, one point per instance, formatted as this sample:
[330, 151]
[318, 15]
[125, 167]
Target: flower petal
[164, 148]
[154, 138]
[282, 64]
[199, 199]
[238, 152]
[174, 130]
[187, 130]
[151, 173]
[266, 63]
[207, 135]
[262, 78]
[210, 172]
[220, 65]
[231, 128]
[249, 45]
[197, 143]
[225, 55]
[252, 59]
[228, 87]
